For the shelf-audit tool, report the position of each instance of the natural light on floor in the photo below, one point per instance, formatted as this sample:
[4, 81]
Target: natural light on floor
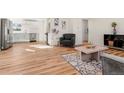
[29, 50]
[41, 46]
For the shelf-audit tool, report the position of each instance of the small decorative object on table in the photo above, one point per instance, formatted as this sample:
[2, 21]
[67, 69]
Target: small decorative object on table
[89, 54]
[90, 46]
[114, 24]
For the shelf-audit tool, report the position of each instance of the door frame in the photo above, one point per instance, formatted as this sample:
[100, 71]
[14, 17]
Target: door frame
[85, 30]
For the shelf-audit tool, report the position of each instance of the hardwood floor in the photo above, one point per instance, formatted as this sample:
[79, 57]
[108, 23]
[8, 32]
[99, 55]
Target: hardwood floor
[28, 60]
[116, 52]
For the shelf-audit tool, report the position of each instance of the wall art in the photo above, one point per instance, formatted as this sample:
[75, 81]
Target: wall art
[56, 21]
[63, 24]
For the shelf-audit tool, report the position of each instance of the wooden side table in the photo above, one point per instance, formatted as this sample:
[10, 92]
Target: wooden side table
[88, 54]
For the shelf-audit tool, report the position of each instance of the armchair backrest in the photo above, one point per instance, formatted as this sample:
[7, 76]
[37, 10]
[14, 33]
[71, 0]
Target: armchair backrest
[68, 36]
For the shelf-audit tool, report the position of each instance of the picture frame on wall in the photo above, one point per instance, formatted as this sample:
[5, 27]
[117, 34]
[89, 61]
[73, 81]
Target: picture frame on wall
[63, 24]
[56, 21]
[55, 31]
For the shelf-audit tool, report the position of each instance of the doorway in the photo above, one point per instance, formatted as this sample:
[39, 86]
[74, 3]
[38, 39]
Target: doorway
[48, 32]
[85, 30]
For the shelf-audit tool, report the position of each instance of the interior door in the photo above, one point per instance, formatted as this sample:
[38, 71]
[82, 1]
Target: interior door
[85, 30]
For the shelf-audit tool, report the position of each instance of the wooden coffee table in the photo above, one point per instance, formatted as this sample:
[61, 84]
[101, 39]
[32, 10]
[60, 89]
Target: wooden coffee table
[89, 54]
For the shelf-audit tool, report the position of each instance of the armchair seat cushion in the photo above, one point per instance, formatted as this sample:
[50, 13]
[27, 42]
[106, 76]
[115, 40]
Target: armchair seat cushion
[67, 42]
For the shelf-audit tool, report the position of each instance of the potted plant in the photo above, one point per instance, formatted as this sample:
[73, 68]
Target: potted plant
[114, 24]
[110, 41]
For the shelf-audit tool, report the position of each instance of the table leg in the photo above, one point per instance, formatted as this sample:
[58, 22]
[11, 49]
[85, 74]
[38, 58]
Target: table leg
[98, 56]
[81, 55]
[85, 57]
[90, 57]
[94, 56]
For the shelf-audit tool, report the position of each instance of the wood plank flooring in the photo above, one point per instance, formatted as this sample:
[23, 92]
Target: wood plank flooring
[22, 59]
[116, 52]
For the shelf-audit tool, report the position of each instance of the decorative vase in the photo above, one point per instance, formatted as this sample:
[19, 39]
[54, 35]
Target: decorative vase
[111, 43]
[114, 24]
[114, 31]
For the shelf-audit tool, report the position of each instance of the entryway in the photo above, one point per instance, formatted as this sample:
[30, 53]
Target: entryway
[85, 30]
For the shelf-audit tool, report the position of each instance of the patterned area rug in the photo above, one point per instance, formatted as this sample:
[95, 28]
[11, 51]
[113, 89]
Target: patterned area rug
[85, 68]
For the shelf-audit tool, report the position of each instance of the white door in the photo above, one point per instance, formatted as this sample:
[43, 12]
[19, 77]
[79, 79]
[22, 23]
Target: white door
[85, 30]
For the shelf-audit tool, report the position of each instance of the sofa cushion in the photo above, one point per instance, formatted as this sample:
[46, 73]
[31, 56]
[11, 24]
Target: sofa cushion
[66, 41]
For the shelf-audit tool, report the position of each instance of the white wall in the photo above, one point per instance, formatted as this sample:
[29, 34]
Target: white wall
[53, 37]
[73, 25]
[77, 27]
[42, 30]
[100, 26]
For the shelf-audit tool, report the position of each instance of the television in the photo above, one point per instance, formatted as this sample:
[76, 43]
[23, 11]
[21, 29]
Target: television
[115, 41]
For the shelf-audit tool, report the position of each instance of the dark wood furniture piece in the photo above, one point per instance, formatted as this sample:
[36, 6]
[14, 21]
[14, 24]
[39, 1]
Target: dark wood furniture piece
[118, 41]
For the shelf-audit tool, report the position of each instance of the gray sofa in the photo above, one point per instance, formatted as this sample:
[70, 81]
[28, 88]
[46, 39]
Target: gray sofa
[112, 65]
